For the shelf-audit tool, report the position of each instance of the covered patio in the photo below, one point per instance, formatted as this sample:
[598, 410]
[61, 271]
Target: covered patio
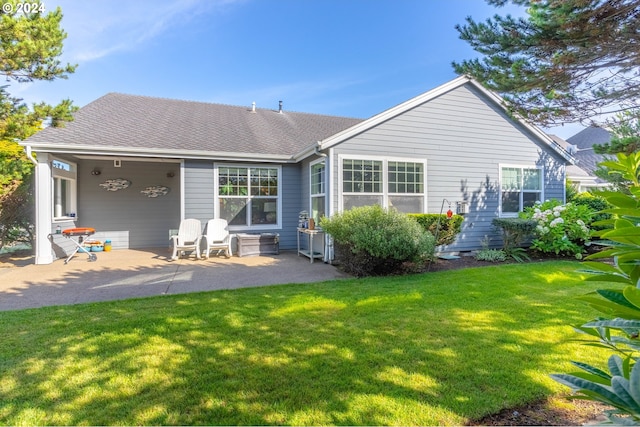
[122, 274]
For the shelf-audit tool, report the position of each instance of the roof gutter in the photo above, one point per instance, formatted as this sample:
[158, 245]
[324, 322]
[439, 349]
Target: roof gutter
[311, 150]
[174, 154]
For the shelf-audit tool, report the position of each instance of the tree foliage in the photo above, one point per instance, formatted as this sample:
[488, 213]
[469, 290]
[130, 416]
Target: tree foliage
[566, 61]
[30, 47]
[618, 385]
[18, 122]
[31, 44]
[625, 132]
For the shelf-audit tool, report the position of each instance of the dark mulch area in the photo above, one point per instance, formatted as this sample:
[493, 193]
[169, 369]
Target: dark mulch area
[457, 263]
[468, 261]
[547, 413]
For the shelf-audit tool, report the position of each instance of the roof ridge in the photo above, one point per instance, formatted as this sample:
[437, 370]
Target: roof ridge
[221, 104]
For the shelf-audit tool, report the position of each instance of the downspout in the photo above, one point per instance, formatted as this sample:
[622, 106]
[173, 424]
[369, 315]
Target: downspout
[30, 155]
[317, 152]
[328, 241]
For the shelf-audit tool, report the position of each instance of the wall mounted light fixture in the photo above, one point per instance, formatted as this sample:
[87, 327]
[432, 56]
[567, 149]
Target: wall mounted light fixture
[170, 174]
[96, 172]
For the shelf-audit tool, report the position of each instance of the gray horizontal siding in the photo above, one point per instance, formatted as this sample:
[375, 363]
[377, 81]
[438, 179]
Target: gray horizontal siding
[200, 197]
[118, 214]
[292, 204]
[198, 190]
[464, 139]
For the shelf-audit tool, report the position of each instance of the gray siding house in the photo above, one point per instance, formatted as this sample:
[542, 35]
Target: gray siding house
[258, 168]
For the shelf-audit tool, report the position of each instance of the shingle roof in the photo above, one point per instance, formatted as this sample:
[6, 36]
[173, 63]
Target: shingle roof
[138, 122]
[586, 158]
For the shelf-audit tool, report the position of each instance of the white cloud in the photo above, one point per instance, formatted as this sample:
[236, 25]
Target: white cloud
[99, 28]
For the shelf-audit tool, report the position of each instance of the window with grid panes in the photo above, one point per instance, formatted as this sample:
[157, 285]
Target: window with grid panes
[249, 196]
[520, 187]
[361, 183]
[406, 186]
[317, 191]
[387, 182]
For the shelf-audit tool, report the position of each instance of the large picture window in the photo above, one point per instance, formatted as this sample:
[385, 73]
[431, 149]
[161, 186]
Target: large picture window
[520, 187]
[386, 182]
[249, 196]
[64, 189]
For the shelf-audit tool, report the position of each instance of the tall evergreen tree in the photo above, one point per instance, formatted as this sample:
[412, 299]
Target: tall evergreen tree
[30, 47]
[567, 61]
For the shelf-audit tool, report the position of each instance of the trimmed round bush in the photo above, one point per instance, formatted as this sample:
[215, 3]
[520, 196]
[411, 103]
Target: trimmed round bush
[372, 241]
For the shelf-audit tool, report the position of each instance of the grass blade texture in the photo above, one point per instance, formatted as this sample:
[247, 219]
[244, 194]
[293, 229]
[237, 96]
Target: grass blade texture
[428, 349]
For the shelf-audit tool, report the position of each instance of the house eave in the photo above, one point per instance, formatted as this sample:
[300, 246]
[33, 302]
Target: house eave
[157, 153]
[308, 152]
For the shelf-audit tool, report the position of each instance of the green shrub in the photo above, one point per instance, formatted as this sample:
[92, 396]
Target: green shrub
[449, 227]
[515, 231]
[562, 229]
[17, 215]
[371, 241]
[597, 204]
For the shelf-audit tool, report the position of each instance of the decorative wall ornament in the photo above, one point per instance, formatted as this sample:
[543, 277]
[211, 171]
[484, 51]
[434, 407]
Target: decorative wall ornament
[155, 191]
[115, 184]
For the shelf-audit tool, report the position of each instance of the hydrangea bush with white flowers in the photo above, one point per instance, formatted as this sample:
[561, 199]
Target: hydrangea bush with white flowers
[562, 229]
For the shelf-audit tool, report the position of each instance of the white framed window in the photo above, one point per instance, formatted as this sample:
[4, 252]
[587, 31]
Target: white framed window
[249, 197]
[389, 182]
[520, 187]
[64, 181]
[406, 186]
[317, 183]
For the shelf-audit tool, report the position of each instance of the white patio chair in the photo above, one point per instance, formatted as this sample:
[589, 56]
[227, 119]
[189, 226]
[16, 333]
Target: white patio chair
[188, 238]
[217, 237]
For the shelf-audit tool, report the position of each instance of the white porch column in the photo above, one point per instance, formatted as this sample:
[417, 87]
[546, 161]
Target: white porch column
[44, 216]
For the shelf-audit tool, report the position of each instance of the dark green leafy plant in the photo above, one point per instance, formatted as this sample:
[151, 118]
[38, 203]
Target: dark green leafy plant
[515, 232]
[597, 204]
[448, 229]
[620, 329]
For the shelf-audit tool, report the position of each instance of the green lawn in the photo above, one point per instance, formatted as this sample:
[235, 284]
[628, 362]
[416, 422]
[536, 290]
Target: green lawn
[430, 349]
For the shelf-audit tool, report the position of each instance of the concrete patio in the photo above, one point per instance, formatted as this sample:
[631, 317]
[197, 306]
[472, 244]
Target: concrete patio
[123, 274]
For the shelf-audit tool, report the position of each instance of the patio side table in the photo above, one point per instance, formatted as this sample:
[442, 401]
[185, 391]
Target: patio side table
[309, 252]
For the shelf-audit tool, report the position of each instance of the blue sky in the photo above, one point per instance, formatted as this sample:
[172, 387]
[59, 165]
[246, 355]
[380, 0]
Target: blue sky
[352, 58]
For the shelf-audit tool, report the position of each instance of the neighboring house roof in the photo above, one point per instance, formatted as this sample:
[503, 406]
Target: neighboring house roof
[574, 172]
[584, 140]
[140, 125]
[129, 125]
